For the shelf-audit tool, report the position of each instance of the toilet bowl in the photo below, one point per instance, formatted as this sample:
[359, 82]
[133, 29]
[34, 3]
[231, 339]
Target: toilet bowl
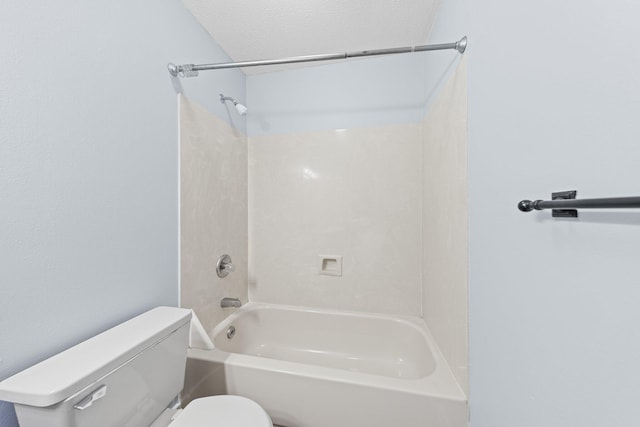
[222, 411]
[128, 376]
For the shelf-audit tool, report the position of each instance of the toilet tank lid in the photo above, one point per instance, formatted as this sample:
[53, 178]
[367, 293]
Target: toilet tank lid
[59, 377]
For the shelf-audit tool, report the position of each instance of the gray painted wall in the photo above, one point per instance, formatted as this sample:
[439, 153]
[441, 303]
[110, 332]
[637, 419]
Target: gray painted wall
[553, 105]
[89, 166]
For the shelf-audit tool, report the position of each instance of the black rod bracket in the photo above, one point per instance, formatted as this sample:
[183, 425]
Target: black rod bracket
[564, 213]
[528, 205]
[564, 204]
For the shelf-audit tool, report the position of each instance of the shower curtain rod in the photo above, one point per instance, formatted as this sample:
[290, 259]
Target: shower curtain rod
[191, 70]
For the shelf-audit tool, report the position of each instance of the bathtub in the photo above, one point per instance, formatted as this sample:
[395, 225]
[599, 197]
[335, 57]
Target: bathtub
[320, 368]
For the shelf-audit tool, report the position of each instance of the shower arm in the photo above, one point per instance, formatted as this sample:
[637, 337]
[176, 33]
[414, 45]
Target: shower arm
[191, 70]
[224, 98]
[242, 110]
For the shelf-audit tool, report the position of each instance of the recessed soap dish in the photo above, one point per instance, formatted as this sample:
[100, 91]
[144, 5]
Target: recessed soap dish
[330, 265]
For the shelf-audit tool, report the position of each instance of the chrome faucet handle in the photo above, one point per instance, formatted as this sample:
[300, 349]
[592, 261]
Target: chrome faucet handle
[224, 266]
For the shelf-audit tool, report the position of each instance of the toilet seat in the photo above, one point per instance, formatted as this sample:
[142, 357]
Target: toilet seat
[222, 411]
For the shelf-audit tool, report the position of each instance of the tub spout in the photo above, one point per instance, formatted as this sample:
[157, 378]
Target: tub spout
[230, 302]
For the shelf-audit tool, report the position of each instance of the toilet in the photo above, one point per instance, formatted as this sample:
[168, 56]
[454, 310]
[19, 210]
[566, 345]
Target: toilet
[128, 376]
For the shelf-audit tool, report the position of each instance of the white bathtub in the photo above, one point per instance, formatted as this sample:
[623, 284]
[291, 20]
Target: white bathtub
[317, 368]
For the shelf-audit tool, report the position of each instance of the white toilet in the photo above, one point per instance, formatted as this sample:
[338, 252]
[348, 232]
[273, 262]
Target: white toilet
[128, 376]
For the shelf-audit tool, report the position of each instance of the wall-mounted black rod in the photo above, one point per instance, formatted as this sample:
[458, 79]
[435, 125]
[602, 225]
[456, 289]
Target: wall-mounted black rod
[610, 203]
[566, 201]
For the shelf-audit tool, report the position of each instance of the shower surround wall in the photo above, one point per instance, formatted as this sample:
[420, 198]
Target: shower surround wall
[346, 192]
[213, 211]
[366, 160]
[334, 169]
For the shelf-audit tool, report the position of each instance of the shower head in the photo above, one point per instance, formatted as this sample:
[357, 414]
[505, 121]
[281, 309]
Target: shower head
[242, 110]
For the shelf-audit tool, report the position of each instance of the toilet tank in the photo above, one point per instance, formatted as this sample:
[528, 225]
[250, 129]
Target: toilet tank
[125, 376]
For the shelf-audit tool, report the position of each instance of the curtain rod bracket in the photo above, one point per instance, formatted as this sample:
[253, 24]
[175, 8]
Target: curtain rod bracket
[185, 70]
[461, 45]
[173, 69]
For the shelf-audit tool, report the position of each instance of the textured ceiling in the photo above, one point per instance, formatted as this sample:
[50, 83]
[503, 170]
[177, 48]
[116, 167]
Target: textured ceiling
[262, 29]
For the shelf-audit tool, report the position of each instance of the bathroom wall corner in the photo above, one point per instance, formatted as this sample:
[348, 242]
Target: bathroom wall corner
[444, 223]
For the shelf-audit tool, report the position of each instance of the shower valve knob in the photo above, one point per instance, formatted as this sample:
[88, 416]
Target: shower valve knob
[224, 266]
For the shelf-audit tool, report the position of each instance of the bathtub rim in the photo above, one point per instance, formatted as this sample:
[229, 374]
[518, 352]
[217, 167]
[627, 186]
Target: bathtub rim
[441, 383]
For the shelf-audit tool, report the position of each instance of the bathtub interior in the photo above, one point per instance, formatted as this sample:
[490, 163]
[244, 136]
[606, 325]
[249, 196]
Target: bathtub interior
[370, 344]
